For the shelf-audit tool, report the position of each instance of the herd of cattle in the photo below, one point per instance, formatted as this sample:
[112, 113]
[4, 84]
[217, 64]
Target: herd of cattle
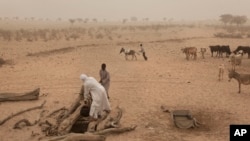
[235, 56]
[218, 49]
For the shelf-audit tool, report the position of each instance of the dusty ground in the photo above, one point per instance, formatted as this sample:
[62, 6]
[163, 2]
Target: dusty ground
[139, 87]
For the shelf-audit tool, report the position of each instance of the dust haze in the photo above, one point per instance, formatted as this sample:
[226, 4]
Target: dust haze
[120, 9]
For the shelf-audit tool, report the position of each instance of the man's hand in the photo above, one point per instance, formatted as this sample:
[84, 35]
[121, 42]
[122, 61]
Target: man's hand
[86, 102]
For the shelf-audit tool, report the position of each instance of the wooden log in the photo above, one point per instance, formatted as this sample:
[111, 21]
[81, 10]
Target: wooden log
[67, 123]
[18, 113]
[115, 130]
[108, 120]
[32, 95]
[22, 123]
[76, 137]
[84, 137]
[73, 107]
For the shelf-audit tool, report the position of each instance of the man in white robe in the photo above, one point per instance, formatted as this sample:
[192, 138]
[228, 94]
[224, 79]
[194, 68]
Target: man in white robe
[98, 94]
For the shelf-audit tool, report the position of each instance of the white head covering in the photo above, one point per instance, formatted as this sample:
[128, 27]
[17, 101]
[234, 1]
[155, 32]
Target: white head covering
[83, 77]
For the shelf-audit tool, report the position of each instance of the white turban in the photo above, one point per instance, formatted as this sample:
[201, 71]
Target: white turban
[83, 77]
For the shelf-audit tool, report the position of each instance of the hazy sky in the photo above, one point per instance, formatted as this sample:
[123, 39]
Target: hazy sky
[120, 9]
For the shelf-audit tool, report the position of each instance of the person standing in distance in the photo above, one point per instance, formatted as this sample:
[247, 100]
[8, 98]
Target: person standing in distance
[105, 78]
[143, 53]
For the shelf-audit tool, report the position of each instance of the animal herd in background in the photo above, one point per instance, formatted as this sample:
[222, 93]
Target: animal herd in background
[235, 58]
[218, 49]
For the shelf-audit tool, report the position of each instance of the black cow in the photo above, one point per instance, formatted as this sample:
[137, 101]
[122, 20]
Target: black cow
[220, 49]
[245, 49]
[224, 49]
[214, 49]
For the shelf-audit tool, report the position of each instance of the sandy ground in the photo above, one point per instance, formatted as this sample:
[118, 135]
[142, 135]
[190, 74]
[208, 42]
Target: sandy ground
[139, 87]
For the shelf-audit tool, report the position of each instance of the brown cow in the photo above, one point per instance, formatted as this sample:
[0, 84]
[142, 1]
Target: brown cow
[190, 51]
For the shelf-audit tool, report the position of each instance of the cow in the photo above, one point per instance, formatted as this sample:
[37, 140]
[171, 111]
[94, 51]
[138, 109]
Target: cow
[190, 51]
[235, 60]
[244, 49]
[224, 49]
[214, 49]
[241, 78]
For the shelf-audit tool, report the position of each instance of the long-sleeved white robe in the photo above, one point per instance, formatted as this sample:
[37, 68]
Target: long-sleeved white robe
[99, 97]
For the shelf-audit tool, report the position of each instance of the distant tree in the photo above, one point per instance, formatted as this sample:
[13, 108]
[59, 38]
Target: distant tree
[72, 21]
[164, 19]
[239, 20]
[15, 18]
[226, 18]
[133, 19]
[79, 20]
[124, 21]
[145, 19]
[86, 20]
[94, 20]
[59, 19]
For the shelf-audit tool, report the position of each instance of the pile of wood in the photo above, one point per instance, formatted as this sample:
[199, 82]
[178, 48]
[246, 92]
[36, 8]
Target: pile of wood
[59, 125]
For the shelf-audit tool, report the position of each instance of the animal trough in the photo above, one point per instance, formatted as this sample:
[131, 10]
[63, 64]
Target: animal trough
[184, 119]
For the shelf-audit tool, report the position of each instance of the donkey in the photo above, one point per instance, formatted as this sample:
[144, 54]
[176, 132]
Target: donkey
[129, 52]
[241, 78]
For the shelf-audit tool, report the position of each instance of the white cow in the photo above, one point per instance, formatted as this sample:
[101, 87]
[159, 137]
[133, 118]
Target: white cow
[235, 60]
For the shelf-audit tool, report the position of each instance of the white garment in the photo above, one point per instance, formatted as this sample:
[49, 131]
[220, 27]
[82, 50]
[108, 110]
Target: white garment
[99, 96]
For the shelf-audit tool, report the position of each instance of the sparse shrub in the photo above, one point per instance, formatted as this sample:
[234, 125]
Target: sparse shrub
[74, 36]
[99, 36]
[228, 35]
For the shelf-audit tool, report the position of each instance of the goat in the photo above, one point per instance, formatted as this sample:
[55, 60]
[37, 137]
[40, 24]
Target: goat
[221, 71]
[241, 78]
[203, 50]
